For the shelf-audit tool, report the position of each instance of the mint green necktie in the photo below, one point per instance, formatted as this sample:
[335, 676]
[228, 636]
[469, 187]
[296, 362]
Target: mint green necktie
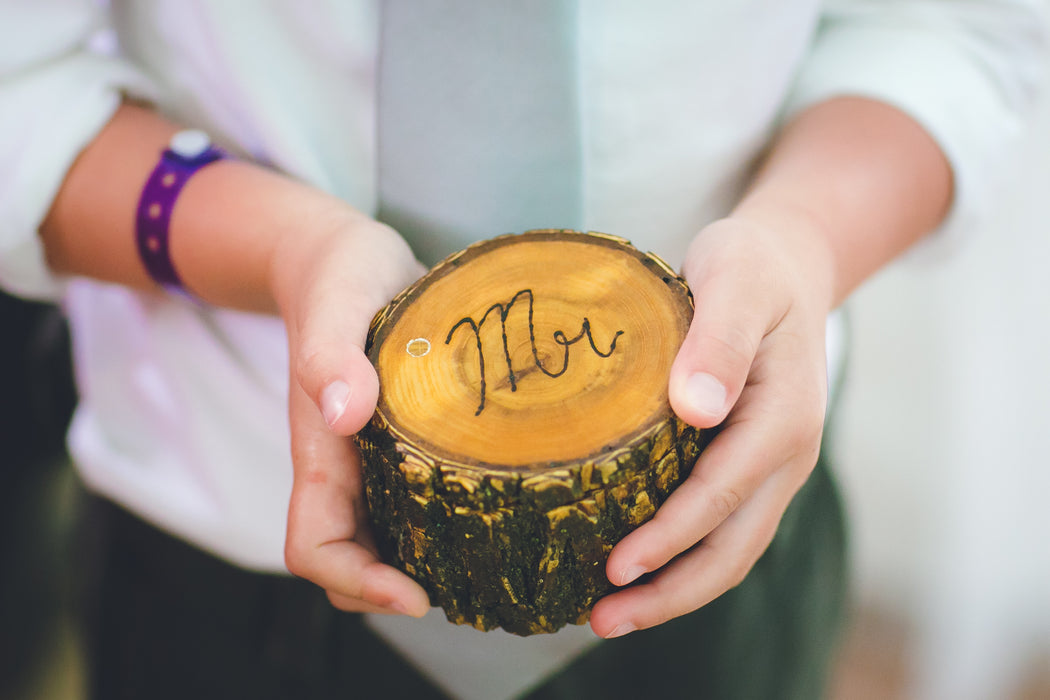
[477, 120]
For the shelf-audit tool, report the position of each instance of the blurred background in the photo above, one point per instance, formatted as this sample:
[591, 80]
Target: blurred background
[943, 450]
[942, 445]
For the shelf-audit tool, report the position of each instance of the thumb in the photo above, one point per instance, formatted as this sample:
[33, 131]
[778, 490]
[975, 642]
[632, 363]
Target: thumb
[712, 366]
[331, 365]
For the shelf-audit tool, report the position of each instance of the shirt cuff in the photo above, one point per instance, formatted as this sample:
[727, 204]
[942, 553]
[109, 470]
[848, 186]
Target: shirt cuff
[971, 94]
[46, 119]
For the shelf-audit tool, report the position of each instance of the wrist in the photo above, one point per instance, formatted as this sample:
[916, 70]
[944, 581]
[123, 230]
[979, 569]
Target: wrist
[797, 240]
[229, 226]
[338, 255]
[299, 251]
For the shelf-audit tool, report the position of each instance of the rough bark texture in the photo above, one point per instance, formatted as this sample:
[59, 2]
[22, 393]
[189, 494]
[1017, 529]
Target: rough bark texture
[522, 547]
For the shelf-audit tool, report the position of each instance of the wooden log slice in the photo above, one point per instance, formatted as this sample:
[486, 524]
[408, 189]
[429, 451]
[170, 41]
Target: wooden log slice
[523, 426]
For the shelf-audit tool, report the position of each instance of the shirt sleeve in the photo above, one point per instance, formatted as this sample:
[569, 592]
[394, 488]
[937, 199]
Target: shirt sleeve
[57, 90]
[968, 72]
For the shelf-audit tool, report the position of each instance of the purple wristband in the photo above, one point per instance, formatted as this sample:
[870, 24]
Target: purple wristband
[188, 152]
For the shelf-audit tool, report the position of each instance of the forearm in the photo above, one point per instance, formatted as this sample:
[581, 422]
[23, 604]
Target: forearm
[245, 237]
[860, 178]
[845, 187]
[228, 221]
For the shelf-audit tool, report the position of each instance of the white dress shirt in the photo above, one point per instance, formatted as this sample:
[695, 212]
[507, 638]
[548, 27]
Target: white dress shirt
[653, 113]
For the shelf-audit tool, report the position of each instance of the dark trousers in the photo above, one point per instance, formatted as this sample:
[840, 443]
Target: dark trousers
[165, 620]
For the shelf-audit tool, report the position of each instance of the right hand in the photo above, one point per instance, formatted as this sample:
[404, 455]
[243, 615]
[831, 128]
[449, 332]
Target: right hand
[328, 286]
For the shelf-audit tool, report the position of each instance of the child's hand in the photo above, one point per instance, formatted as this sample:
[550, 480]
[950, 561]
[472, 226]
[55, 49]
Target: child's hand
[755, 351]
[328, 288]
[847, 185]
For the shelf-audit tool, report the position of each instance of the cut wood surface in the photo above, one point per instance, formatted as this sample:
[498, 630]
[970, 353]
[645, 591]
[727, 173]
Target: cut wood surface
[523, 426]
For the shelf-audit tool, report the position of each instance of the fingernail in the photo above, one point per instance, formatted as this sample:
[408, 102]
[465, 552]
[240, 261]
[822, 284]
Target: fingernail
[334, 399]
[621, 629]
[630, 573]
[706, 394]
[398, 607]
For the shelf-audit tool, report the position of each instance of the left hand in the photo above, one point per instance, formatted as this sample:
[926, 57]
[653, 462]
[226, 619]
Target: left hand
[329, 282]
[754, 357]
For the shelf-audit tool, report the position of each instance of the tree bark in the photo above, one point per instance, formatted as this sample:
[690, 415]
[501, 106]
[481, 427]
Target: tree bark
[523, 426]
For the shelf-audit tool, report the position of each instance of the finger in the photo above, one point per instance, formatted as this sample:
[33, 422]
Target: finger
[727, 473]
[712, 365]
[327, 537]
[717, 564]
[778, 419]
[356, 276]
[331, 365]
[347, 604]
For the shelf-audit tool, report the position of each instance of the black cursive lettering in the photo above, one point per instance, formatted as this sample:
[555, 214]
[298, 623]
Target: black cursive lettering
[559, 337]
